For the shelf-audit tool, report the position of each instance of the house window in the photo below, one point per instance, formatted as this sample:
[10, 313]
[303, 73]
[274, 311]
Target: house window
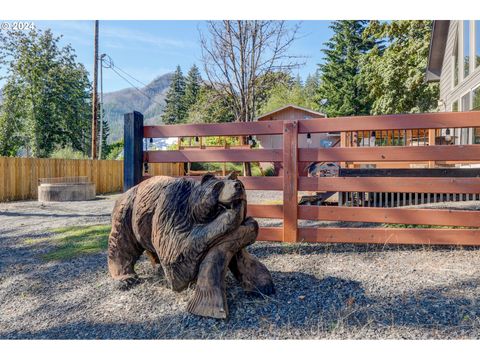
[476, 106]
[476, 99]
[455, 60]
[455, 106]
[477, 43]
[466, 48]
[466, 102]
[465, 133]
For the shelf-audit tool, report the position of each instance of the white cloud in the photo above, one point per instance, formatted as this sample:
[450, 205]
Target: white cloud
[113, 36]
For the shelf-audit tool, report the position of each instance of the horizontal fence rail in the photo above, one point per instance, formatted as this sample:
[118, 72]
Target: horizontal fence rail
[439, 217]
[391, 122]
[292, 156]
[393, 153]
[224, 155]
[391, 184]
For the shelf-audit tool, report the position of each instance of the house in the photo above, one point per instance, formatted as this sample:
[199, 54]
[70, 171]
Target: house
[454, 62]
[293, 112]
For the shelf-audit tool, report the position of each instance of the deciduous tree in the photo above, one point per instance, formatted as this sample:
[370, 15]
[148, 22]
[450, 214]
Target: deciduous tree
[395, 76]
[46, 96]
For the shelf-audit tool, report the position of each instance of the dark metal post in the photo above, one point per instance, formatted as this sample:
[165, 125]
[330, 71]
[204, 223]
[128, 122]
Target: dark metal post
[132, 149]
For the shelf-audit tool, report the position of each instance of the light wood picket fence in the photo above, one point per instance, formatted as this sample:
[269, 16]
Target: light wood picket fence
[19, 176]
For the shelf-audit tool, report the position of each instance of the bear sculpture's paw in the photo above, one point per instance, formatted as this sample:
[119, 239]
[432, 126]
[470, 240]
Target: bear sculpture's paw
[252, 274]
[209, 302]
[128, 283]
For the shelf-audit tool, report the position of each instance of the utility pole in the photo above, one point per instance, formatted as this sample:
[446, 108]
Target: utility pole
[101, 108]
[94, 95]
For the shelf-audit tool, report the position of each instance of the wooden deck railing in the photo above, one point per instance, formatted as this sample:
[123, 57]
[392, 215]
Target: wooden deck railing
[291, 182]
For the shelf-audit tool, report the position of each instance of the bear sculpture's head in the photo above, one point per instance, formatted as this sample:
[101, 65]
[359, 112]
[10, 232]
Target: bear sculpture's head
[214, 195]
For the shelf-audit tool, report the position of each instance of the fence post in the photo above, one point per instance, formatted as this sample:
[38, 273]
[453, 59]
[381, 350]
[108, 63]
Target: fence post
[290, 181]
[133, 150]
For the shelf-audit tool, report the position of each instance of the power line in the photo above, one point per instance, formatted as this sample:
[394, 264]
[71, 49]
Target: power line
[140, 91]
[123, 71]
[110, 65]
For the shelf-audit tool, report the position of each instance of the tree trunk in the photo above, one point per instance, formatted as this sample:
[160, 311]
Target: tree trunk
[247, 168]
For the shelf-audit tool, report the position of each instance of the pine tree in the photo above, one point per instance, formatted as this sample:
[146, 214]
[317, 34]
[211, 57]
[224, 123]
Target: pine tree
[311, 86]
[192, 86]
[105, 134]
[341, 93]
[175, 110]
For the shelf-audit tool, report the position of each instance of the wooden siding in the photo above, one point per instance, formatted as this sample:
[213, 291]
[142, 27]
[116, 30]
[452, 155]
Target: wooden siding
[447, 92]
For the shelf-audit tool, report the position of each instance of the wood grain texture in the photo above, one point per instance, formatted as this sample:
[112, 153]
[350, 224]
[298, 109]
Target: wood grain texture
[220, 155]
[387, 122]
[393, 153]
[19, 176]
[434, 185]
[390, 215]
[234, 129]
[464, 237]
[265, 211]
[391, 236]
[270, 234]
[290, 179]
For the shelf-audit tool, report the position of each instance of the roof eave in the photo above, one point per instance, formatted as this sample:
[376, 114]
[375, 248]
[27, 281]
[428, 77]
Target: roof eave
[436, 52]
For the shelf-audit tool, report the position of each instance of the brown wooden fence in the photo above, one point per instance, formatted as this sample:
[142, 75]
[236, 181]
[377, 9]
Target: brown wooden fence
[19, 176]
[291, 182]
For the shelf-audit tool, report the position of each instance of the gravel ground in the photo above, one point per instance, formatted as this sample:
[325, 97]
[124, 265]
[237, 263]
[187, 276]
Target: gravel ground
[323, 291]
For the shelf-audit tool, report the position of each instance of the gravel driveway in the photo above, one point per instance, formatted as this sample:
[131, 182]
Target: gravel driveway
[323, 291]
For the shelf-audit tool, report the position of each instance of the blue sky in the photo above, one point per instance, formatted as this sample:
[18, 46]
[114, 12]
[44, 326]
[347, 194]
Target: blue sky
[147, 49]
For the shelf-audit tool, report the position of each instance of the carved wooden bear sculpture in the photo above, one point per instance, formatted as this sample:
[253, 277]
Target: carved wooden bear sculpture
[195, 230]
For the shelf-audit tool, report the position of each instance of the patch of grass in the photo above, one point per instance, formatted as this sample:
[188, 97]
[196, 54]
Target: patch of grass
[238, 167]
[74, 241]
[272, 202]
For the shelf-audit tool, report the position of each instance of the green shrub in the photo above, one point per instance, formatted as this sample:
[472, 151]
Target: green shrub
[113, 151]
[68, 153]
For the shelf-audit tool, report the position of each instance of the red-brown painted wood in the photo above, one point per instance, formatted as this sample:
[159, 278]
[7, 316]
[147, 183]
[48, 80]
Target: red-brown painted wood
[387, 122]
[391, 215]
[393, 153]
[391, 236]
[250, 182]
[256, 182]
[233, 155]
[375, 215]
[227, 129]
[391, 184]
[270, 234]
[265, 211]
[290, 178]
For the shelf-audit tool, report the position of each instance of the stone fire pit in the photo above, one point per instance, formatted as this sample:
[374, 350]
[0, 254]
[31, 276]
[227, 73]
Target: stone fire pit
[75, 188]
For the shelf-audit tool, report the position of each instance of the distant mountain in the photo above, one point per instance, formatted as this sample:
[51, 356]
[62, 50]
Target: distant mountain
[117, 103]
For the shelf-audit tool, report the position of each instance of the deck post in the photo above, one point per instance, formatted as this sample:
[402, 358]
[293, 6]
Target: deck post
[133, 152]
[290, 181]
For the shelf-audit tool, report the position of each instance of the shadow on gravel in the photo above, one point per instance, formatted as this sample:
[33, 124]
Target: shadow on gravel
[440, 308]
[262, 250]
[49, 215]
[304, 306]
[89, 330]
